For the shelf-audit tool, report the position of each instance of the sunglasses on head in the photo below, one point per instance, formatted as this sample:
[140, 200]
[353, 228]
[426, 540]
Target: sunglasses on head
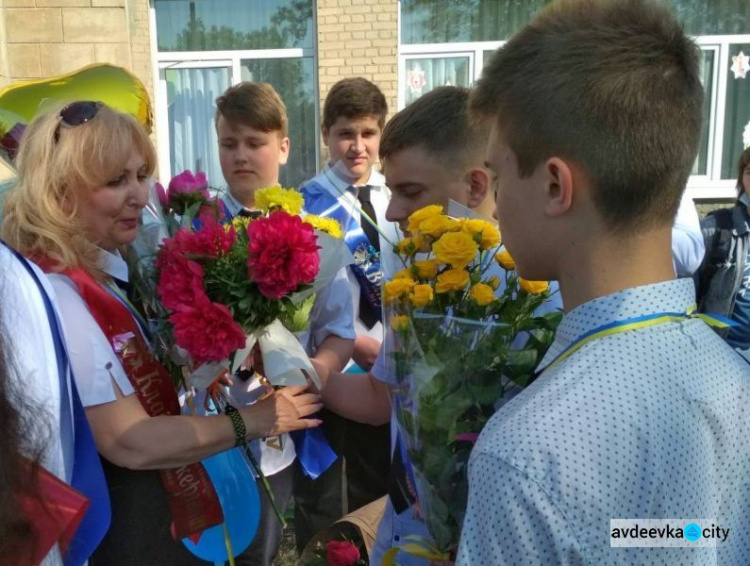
[76, 114]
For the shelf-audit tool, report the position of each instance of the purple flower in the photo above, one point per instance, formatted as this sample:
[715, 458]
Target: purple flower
[186, 182]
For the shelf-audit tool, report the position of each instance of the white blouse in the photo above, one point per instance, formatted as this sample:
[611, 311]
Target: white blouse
[95, 364]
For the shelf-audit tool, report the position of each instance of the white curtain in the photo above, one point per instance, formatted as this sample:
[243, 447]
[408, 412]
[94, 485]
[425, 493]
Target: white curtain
[193, 141]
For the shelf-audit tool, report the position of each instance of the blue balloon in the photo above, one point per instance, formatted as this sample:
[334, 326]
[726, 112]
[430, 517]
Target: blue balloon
[238, 494]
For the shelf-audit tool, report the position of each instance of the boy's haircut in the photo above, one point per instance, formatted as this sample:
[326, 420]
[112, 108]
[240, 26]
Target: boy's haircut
[438, 122]
[256, 105]
[743, 162]
[610, 85]
[354, 98]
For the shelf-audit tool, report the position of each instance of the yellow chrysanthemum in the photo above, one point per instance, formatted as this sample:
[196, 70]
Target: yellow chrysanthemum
[426, 269]
[275, 197]
[436, 226]
[457, 249]
[400, 323]
[330, 226]
[423, 214]
[484, 233]
[452, 280]
[397, 288]
[505, 260]
[421, 295]
[240, 222]
[533, 287]
[409, 246]
[481, 294]
[493, 282]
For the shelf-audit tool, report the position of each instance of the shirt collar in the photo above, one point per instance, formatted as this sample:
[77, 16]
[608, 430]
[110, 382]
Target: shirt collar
[113, 265]
[677, 295]
[376, 181]
[233, 205]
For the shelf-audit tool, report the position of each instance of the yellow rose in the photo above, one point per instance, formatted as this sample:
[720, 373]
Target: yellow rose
[436, 226]
[505, 260]
[533, 287]
[409, 246]
[329, 226]
[493, 282]
[452, 280]
[403, 274]
[421, 295]
[397, 288]
[423, 214]
[481, 294]
[275, 197]
[426, 269]
[400, 323]
[455, 248]
[483, 232]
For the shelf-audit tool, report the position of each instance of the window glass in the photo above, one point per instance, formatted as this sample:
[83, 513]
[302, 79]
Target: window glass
[294, 80]
[217, 25]
[424, 74]
[737, 110]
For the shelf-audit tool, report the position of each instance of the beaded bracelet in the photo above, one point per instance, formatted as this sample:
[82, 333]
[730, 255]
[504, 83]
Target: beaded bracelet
[239, 425]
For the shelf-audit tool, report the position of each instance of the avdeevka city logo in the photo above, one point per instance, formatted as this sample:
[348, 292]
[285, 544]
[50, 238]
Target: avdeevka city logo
[692, 532]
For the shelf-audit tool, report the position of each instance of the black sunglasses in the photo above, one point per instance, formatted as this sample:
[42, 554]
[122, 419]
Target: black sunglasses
[76, 114]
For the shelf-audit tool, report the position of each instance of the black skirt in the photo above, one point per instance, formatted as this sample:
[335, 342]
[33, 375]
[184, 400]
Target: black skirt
[139, 534]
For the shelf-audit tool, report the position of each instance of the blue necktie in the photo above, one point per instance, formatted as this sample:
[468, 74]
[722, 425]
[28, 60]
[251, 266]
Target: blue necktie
[87, 475]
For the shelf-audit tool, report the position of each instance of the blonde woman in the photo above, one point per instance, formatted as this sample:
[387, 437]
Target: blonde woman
[82, 173]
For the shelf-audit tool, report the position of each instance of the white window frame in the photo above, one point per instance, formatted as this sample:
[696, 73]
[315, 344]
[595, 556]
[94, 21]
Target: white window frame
[706, 187]
[214, 59]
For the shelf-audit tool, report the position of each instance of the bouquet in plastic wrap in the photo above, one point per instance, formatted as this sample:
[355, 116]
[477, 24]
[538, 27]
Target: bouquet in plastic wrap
[465, 338]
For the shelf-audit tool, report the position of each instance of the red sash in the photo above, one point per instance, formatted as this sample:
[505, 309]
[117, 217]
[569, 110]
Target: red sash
[192, 499]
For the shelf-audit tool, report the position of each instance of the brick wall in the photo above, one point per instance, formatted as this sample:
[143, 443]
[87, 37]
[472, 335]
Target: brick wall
[358, 38]
[45, 38]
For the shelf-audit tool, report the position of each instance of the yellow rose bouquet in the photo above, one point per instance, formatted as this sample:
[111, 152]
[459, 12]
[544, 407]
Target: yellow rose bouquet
[466, 331]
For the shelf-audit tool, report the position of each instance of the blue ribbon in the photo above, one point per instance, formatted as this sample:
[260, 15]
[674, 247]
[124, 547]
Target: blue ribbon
[88, 476]
[313, 451]
[320, 201]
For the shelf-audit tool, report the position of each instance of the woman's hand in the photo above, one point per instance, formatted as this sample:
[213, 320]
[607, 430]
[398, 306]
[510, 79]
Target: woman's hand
[283, 411]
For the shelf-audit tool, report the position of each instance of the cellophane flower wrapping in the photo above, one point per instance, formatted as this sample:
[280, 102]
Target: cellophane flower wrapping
[464, 339]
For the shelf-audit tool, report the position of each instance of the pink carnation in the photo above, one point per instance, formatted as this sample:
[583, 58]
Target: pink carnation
[186, 182]
[180, 280]
[283, 254]
[207, 331]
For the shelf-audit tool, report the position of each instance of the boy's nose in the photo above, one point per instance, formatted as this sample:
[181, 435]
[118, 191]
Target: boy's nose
[358, 144]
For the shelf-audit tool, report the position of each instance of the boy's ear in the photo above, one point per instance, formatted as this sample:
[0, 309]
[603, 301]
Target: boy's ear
[284, 146]
[559, 176]
[324, 132]
[479, 184]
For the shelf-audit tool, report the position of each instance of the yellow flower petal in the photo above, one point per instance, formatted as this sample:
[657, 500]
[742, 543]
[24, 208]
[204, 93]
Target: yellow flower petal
[533, 287]
[275, 197]
[426, 269]
[397, 289]
[423, 214]
[452, 280]
[484, 233]
[505, 260]
[421, 295]
[400, 323]
[481, 294]
[457, 249]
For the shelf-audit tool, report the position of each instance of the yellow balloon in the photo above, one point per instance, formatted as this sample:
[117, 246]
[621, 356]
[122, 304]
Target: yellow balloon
[114, 86]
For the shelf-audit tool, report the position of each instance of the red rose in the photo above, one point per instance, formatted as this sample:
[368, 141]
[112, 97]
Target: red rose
[283, 254]
[341, 553]
[180, 280]
[207, 331]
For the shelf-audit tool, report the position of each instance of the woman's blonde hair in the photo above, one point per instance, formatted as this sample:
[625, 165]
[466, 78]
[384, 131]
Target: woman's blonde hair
[57, 164]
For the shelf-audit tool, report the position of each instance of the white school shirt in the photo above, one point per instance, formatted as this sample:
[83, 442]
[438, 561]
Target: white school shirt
[95, 364]
[688, 246]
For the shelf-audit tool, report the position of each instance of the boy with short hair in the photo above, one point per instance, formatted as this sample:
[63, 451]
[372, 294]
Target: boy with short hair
[350, 190]
[251, 124]
[431, 154]
[641, 411]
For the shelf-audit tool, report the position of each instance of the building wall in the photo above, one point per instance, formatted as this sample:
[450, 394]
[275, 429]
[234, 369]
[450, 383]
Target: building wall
[45, 38]
[358, 38]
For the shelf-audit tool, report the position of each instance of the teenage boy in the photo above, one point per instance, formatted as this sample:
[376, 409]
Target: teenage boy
[251, 124]
[352, 191]
[640, 411]
[431, 154]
